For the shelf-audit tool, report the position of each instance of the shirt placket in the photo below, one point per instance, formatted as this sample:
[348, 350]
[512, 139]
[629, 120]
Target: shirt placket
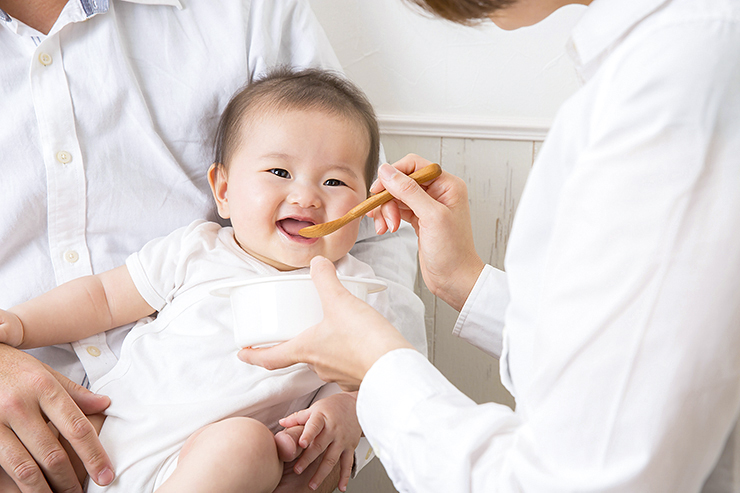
[66, 185]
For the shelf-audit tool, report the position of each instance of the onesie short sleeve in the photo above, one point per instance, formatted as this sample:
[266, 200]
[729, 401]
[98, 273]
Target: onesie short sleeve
[158, 269]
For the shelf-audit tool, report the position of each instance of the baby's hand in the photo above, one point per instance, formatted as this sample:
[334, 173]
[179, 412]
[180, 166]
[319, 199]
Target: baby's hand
[11, 329]
[328, 425]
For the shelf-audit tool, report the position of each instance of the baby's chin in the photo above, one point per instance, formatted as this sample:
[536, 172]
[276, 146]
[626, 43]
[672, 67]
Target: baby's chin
[286, 265]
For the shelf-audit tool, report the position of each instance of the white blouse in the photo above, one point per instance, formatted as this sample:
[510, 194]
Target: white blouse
[618, 318]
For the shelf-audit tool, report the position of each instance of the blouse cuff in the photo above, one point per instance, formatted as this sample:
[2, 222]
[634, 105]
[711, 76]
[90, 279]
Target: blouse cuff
[481, 320]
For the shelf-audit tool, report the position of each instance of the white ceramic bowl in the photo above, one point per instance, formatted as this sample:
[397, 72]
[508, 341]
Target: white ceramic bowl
[273, 309]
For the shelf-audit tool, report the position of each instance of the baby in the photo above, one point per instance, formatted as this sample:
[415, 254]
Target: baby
[292, 150]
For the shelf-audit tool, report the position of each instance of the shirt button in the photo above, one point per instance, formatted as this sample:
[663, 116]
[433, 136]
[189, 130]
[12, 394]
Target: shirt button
[45, 59]
[93, 351]
[71, 256]
[64, 157]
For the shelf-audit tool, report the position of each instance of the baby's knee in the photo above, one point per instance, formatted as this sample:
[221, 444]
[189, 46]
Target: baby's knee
[249, 444]
[249, 436]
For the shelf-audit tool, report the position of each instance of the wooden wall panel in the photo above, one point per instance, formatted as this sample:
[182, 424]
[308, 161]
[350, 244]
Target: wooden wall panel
[495, 172]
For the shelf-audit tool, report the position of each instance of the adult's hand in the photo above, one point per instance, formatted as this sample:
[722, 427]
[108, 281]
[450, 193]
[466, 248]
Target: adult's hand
[31, 394]
[344, 345]
[440, 214]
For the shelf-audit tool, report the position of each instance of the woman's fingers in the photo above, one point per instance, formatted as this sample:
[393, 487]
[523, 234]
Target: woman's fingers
[440, 215]
[405, 189]
[271, 358]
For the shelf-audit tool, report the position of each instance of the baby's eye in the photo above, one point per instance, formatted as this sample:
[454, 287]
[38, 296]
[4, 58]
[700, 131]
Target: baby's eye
[279, 172]
[333, 182]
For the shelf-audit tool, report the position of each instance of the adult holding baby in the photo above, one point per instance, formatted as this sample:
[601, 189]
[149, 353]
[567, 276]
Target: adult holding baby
[110, 108]
[620, 297]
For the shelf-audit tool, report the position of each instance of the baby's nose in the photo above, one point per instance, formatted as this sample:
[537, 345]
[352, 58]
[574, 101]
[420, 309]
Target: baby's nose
[304, 195]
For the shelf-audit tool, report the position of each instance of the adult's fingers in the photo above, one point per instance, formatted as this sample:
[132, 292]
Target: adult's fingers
[88, 402]
[73, 425]
[271, 358]
[407, 191]
[30, 453]
[329, 461]
[345, 461]
[407, 165]
[22, 469]
[324, 276]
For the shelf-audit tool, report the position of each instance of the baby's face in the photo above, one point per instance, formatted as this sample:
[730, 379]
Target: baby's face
[294, 168]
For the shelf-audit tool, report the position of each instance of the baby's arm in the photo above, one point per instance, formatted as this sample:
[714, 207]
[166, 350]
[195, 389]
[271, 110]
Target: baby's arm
[74, 310]
[330, 425]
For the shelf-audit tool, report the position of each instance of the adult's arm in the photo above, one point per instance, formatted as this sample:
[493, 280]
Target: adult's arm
[636, 380]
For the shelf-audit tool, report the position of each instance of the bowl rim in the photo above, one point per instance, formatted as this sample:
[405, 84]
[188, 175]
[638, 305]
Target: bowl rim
[224, 289]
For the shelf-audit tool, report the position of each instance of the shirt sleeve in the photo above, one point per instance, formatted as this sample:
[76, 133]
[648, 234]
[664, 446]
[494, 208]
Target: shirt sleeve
[286, 33]
[405, 405]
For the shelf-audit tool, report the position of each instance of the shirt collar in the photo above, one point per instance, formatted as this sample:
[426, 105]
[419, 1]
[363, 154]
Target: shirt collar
[92, 7]
[171, 3]
[603, 24]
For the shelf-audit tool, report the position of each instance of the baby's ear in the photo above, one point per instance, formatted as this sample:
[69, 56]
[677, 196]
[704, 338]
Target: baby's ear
[218, 180]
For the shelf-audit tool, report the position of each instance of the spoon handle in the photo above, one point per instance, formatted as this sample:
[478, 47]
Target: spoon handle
[422, 175]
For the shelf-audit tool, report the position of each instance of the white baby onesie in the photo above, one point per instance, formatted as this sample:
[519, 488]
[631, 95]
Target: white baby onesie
[179, 371]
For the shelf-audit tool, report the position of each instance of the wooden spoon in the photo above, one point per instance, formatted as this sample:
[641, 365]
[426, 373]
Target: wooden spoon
[423, 175]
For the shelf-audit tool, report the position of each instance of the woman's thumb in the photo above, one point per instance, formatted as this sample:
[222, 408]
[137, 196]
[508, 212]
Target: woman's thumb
[324, 277]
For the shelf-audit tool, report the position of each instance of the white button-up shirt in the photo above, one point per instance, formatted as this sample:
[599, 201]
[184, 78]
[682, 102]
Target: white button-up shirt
[621, 298]
[106, 139]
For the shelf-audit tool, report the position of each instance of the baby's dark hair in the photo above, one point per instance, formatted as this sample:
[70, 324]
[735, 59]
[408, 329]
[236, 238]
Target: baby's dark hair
[306, 89]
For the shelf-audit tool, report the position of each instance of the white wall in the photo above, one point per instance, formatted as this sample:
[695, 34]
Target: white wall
[430, 73]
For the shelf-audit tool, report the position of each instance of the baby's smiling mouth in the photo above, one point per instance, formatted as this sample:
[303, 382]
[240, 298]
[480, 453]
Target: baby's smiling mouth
[290, 226]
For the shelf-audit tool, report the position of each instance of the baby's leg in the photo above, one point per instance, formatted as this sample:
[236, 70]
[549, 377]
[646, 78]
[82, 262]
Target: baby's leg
[234, 455]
